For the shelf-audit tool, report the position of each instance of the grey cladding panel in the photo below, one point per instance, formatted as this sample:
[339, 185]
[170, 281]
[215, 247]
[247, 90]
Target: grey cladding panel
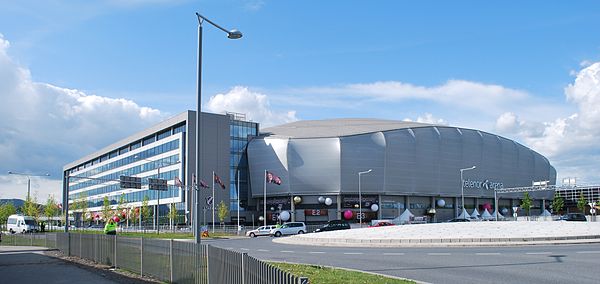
[314, 165]
[262, 155]
[361, 153]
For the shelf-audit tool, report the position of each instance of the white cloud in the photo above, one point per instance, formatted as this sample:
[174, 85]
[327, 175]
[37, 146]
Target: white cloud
[43, 127]
[428, 118]
[254, 105]
[571, 142]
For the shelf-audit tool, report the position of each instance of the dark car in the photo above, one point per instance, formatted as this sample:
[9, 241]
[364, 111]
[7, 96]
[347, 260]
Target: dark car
[573, 217]
[334, 226]
[459, 220]
[382, 224]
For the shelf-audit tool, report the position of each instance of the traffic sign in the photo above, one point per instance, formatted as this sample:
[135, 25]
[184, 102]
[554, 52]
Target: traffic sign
[593, 211]
[209, 200]
[157, 184]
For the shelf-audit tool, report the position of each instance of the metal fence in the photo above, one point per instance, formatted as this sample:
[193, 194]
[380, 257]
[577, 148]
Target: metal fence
[166, 260]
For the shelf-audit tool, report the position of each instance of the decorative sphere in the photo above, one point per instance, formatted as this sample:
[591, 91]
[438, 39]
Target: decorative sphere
[348, 214]
[272, 208]
[116, 219]
[504, 210]
[261, 218]
[374, 207]
[284, 216]
[328, 201]
[441, 203]
[321, 199]
[297, 200]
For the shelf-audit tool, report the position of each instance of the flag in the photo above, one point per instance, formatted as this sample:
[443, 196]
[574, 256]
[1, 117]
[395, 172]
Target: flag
[193, 179]
[271, 178]
[203, 184]
[178, 182]
[219, 181]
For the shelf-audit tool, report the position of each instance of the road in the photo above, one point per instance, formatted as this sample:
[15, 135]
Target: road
[519, 264]
[30, 265]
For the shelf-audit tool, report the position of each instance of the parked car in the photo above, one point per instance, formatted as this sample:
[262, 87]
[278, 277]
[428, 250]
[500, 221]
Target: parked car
[261, 231]
[459, 220]
[21, 224]
[381, 224]
[573, 217]
[290, 228]
[334, 225]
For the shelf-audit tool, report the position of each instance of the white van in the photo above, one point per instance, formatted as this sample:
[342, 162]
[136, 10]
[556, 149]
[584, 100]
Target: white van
[21, 224]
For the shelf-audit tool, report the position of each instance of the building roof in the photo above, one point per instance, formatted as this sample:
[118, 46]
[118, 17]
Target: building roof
[337, 127]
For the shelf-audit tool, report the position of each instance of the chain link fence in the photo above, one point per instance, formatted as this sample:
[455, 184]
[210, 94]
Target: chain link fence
[171, 261]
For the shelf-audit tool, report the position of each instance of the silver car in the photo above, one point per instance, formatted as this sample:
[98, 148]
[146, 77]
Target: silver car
[290, 228]
[261, 231]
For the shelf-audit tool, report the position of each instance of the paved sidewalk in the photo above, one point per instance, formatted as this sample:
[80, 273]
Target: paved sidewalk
[456, 234]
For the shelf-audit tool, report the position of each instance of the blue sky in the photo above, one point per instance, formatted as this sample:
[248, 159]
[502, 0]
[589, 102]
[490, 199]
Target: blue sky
[526, 70]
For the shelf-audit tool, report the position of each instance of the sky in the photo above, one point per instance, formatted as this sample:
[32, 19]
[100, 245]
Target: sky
[76, 76]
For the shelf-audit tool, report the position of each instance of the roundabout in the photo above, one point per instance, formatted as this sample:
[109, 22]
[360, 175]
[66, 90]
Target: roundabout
[456, 234]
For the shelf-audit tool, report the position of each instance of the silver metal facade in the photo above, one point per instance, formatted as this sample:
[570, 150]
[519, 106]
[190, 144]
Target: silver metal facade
[420, 160]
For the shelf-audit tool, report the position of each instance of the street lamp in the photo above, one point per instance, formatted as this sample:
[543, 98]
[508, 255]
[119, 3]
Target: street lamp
[28, 179]
[232, 34]
[360, 197]
[462, 186]
[160, 165]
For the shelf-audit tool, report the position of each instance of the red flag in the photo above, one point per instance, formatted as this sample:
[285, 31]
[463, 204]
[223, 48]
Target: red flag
[178, 182]
[203, 184]
[219, 181]
[272, 178]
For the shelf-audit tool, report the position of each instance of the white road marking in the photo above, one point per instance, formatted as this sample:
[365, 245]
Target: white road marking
[287, 251]
[438, 253]
[592, 251]
[393, 253]
[487, 253]
[536, 253]
[316, 252]
[353, 253]
[263, 250]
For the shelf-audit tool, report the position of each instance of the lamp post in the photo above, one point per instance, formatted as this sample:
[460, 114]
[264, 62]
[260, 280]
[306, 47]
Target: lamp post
[232, 34]
[160, 165]
[360, 197]
[462, 186]
[28, 179]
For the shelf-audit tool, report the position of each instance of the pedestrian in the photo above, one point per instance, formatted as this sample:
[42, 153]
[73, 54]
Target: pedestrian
[110, 228]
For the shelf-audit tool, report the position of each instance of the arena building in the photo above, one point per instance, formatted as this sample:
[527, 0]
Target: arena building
[414, 166]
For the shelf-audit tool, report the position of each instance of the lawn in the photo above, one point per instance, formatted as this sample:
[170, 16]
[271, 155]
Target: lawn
[326, 275]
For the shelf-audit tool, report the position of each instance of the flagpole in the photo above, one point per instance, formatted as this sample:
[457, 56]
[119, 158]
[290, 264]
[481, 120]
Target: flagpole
[238, 199]
[265, 199]
[213, 202]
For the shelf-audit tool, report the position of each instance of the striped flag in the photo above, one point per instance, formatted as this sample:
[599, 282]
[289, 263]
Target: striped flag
[272, 178]
[219, 181]
[178, 182]
[203, 184]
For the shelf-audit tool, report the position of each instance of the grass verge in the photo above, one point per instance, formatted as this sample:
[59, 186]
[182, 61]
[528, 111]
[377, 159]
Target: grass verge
[326, 275]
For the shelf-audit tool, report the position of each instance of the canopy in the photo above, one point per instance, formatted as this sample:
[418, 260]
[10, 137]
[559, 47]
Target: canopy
[546, 213]
[464, 215]
[486, 215]
[404, 217]
[499, 215]
[475, 214]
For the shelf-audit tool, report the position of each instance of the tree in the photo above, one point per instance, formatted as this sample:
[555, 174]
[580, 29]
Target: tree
[51, 208]
[172, 214]
[581, 203]
[527, 202]
[557, 203]
[106, 209]
[6, 209]
[222, 211]
[145, 214]
[30, 208]
[81, 205]
[121, 206]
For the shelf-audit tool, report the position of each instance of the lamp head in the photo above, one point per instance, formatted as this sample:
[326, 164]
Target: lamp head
[234, 34]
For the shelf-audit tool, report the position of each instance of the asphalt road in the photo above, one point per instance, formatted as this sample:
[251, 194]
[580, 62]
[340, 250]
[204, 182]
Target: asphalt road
[518, 264]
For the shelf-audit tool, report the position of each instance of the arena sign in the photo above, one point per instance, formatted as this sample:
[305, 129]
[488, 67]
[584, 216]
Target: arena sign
[484, 184]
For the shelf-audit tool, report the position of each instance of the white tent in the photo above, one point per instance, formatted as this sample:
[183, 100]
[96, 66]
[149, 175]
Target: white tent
[475, 214]
[546, 213]
[403, 218]
[464, 215]
[486, 215]
[499, 215]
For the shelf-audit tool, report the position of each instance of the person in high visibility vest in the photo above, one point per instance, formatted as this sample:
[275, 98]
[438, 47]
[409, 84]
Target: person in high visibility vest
[110, 228]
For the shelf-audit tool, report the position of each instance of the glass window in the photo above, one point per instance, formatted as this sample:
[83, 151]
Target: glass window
[148, 140]
[164, 134]
[136, 144]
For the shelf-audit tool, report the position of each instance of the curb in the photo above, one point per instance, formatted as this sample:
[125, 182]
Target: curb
[446, 242]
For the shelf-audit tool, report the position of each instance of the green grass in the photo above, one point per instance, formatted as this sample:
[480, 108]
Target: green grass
[162, 235]
[326, 275]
